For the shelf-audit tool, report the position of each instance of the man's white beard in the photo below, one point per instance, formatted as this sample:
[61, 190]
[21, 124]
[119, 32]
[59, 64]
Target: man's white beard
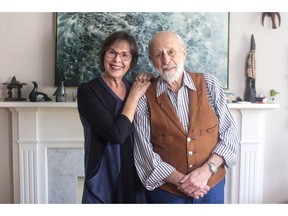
[171, 77]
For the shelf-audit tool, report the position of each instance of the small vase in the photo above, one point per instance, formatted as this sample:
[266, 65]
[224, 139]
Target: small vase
[60, 93]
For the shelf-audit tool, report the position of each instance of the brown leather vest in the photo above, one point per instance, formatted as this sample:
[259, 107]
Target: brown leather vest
[184, 151]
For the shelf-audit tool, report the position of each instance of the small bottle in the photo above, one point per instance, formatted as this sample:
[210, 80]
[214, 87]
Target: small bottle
[60, 93]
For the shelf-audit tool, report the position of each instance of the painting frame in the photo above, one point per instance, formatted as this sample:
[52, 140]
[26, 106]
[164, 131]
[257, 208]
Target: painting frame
[79, 36]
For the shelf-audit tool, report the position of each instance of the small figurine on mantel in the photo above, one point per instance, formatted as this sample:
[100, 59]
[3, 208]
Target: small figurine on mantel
[14, 84]
[36, 96]
[250, 91]
[273, 94]
[60, 93]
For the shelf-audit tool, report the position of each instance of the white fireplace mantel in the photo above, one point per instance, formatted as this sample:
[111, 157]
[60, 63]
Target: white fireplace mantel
[41, 126]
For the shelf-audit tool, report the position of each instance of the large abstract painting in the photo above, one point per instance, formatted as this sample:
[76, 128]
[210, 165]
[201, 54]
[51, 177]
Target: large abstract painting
[79, 37]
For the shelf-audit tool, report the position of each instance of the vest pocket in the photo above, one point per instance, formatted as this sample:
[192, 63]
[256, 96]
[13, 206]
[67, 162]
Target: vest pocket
[161, 138]
[209, 131]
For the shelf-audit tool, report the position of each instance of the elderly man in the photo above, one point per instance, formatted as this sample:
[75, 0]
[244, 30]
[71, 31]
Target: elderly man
[185, 136]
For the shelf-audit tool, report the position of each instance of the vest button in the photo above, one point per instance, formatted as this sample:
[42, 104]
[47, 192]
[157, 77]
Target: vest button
[190, 166]
[190, 153]
[189, 139]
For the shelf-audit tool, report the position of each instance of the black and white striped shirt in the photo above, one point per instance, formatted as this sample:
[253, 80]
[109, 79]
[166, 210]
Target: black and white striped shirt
[150, 167]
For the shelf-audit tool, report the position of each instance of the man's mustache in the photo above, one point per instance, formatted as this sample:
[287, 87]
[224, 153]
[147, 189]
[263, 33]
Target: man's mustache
[168, 67]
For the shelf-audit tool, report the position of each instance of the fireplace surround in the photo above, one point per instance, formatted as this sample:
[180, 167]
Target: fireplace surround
[48, 167]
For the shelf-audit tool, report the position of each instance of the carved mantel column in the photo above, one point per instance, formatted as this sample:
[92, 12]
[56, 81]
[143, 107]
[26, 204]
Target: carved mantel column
[25, 153]
[248, 173]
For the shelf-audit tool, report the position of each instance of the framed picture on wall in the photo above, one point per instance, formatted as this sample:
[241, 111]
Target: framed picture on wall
[79, 37]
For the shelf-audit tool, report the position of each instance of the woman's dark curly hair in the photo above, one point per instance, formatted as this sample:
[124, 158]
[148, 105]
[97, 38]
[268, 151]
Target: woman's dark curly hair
[119, 36]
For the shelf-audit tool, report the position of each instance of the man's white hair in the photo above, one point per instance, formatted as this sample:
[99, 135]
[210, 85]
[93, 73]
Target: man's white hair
[152, 40]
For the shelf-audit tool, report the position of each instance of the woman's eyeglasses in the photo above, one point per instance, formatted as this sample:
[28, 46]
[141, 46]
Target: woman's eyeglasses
[111, 53]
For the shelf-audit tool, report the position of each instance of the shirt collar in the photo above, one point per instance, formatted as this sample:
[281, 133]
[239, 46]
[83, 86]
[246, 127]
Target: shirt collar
[163, 86]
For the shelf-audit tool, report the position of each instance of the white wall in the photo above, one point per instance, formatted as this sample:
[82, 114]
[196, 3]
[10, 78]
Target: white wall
[272, 72]
[27, 51]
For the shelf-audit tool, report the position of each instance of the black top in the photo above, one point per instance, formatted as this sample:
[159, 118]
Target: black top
[110, 174]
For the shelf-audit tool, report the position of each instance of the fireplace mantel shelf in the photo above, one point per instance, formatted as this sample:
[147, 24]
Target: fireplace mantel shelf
[38, 104]
[74, 104]
[38, 127]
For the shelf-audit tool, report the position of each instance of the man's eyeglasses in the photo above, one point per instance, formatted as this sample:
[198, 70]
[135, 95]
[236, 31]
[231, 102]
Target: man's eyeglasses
[111, 53]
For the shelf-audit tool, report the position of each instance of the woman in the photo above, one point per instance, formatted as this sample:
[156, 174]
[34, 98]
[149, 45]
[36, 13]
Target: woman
[106, 107]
